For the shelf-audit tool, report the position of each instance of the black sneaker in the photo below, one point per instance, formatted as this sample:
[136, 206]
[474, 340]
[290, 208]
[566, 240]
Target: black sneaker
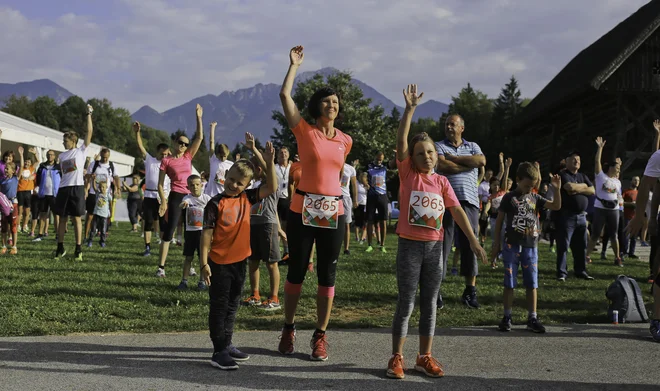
[223, 360]
[603, 257]
[347, 252]
[470, 298]
[633, 256]
[534, 325]
[237, 354]
[584, 276]
[440, 303]
[505, 324]
[655, 330]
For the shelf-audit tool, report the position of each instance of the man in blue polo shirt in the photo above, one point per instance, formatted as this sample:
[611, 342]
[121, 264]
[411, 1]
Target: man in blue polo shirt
[459, 160]
[377, 200]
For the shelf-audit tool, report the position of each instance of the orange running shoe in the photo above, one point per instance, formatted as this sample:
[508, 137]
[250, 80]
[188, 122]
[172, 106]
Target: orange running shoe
[395, 367]
[252, 300]
[429, 366]
[4, 250]
[287, 339]
[13, 251]
[319, 345]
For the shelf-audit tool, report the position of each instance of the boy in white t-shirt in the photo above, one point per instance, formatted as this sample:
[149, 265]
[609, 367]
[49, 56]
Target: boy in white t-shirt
[70, 200]
[218, 165]
[151, 201]
[193, 204]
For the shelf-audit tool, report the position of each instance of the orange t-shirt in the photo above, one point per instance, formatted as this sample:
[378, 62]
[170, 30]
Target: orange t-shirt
[26, 179]
[323, 159]
[229, 218]
[295, 172]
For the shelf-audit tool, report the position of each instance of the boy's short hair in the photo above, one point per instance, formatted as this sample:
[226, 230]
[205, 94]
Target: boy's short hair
[193, 177]
[527, 170]
[222, 148]
[245, 167]
[162, 147]
[493, 179]
[71, 135]
[7, 153]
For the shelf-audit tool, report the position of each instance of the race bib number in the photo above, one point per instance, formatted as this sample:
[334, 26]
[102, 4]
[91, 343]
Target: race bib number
[379, 181]
[26, 174]
[320, 211]
[426, 210]
[68, 166]
[257, 209]
[195, 217]
[220, 177]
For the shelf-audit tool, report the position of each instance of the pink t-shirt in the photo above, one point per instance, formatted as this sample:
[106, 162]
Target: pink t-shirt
[423, 200]
[323, 159]
[178, 169]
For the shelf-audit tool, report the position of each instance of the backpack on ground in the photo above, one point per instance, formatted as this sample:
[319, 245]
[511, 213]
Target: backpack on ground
[625, 297]
[6, 205]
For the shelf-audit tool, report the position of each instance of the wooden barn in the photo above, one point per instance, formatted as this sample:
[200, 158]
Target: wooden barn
[610, 89]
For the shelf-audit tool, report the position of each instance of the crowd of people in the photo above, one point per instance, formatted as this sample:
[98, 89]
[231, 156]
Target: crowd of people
[237, 215]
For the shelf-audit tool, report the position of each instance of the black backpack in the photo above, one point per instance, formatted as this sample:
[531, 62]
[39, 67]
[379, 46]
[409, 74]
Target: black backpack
[624, 296]
[111, 171]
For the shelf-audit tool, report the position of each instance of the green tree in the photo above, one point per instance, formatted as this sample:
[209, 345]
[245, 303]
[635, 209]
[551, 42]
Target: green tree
[45, 111]
[507, 107]
[476, 109]
[367, 125]
[19, 106]
[71, 114]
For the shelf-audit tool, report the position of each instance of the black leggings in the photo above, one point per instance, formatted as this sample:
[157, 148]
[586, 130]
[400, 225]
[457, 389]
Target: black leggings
[328, 247]
[173, 215]
[133, 205]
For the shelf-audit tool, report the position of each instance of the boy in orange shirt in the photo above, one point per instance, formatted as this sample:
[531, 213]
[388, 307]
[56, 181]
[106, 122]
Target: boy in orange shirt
[226, 244]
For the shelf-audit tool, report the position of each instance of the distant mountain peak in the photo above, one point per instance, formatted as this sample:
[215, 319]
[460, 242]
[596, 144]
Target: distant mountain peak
[34, 89]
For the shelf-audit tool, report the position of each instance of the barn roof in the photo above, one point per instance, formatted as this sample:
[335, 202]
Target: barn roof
[594, 65]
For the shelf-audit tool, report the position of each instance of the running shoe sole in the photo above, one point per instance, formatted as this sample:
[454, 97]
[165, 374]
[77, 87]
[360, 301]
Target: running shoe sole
[223, 367]
[392, 375]
[421, 369]
[311, 357]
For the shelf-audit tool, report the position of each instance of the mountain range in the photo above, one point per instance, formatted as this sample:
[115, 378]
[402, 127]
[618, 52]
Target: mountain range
[34, 89]
[237, 112]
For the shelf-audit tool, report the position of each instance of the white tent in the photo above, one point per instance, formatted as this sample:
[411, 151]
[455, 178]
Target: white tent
[17, 131]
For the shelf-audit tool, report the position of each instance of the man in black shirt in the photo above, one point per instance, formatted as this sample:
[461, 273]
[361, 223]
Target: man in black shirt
[572, 219]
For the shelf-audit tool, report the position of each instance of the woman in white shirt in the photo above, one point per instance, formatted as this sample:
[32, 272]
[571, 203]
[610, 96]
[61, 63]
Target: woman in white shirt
[606, 206]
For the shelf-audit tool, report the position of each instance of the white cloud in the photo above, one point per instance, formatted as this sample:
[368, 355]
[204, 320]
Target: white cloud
[164, 53]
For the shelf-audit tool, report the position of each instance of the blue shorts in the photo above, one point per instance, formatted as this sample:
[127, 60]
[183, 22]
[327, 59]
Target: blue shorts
[525, 256]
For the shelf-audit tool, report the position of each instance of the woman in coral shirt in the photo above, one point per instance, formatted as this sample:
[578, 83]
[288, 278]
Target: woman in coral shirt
[316, 207]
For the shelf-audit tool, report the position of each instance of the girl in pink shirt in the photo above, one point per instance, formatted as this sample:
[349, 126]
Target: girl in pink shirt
[178, 168]
[317, 210]
[424, 198]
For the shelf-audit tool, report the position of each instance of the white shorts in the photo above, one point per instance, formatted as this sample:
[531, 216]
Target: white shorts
[348, 209]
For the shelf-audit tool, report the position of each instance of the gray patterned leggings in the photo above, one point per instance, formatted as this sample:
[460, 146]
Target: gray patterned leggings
[417, 263]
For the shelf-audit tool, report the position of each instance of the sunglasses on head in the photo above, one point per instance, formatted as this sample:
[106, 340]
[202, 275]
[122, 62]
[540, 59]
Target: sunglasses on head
[183, 143]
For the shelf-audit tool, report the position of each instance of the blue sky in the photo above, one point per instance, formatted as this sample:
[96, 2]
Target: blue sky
[164, 53]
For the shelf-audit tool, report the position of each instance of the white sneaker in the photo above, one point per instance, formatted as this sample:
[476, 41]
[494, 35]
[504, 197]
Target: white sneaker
[160, 273]
[192, 272]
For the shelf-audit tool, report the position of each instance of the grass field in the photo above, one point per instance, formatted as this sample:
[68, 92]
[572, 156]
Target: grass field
[114, 290]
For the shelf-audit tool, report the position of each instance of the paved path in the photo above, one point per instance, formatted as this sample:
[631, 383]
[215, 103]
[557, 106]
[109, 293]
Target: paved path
[592, 357]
